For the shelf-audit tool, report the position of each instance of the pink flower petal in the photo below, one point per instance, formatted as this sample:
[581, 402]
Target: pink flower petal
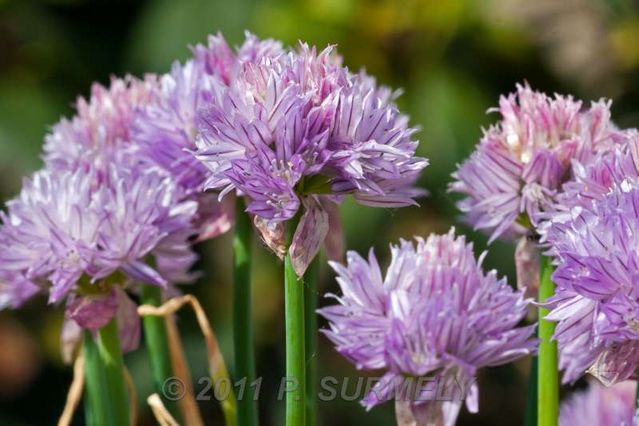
[92, 312]
[128, 322]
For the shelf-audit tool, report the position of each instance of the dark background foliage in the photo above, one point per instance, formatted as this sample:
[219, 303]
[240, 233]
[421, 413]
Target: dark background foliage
[452, 59]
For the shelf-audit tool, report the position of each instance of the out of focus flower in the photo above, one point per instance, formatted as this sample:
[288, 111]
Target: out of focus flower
[520, 164]
[165, 128]
[434, 315]
[80, 235]
[600, 405]
[101, 130]
[298, 130]
[595, 303]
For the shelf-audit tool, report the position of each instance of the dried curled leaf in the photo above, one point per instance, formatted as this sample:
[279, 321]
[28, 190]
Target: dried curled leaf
[160, 412]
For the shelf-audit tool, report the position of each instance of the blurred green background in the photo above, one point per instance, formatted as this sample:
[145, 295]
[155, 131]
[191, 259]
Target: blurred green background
[452, 58]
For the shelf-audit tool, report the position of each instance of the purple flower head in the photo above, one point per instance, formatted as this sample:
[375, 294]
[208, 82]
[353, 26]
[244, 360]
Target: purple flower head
[165, 129]
[595, 303]
[522, 161]
[101, 130]
[435, 315]
[600, 405]
[79, 234]
[297, 129]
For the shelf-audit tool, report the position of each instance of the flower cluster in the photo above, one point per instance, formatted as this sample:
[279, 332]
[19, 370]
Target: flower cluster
[84, 235]
[100, 133]
[521, 163]
[435, 314]
[599, 405]
[122, 196]
[97, 221]
[166, 129]
[296, 129]
[595, 303]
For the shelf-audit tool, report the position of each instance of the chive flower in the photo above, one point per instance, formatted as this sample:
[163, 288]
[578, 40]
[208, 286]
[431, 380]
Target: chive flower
[522, 161]
[435, 314]
[297, 131]
[595, 303]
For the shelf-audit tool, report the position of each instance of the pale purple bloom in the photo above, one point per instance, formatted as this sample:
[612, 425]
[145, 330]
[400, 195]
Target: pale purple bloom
[163, 132]
[297, 126]
[601, 406]
[78, 234]
[165, 128]
[595, 303]
[435, 314]
[101, 129]
[521, 162]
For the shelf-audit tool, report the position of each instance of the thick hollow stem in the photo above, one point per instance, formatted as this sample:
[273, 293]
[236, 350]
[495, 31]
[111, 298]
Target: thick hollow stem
[242, 319]
[548, 384]
[96, 395]
[112, 365]
[311, 279]
[157, 343]
[295, 347]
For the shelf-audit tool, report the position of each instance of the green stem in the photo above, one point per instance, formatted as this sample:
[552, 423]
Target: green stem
[548, 385]
[157, 343]
[295, 358]
[530, 417]
[310, 323]
[96, 396]
[242, 320]
[108, 345]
